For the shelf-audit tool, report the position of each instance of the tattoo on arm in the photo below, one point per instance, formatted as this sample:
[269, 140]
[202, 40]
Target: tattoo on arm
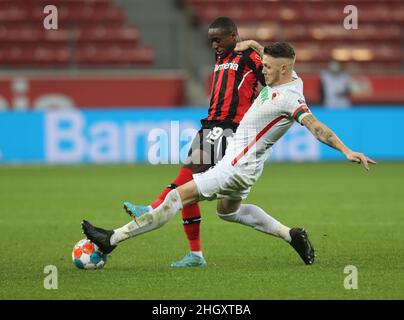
[322, 132]
[325, 135]
[308, 121]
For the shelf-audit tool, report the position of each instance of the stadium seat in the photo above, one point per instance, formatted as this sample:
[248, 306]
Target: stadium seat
[100, 33]
[107, 54]
[34, 56]
[316, 28]
[91, 26]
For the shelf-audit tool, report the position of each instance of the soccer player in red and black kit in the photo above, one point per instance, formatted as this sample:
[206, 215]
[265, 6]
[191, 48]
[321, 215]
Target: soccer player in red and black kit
[235, 87]
[235, 81]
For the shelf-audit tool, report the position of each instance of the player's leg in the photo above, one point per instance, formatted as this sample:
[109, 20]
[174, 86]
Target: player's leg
[191, 215]
[147, 221]
[147, 218]
[213, 146]
[184, 175]
[191, 222]
[137, 211]
[195, 163]
[254, 216]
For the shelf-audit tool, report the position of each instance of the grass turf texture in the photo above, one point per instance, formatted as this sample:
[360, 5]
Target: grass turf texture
[353, 218]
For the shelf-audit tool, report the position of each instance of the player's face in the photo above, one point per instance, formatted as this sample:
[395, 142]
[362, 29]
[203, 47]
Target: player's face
[271, 70]
[222, 41]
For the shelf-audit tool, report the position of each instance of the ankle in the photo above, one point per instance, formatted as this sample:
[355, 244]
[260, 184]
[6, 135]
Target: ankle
[198, 253]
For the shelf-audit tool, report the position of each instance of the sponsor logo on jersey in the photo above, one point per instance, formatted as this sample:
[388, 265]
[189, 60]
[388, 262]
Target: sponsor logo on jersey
[224, 66]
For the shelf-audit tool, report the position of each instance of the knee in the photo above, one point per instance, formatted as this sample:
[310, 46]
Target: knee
[228, 216]
[225, 206]
[220, 210]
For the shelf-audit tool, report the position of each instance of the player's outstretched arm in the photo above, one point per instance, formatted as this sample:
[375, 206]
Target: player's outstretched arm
[247, 44]
[328, 137]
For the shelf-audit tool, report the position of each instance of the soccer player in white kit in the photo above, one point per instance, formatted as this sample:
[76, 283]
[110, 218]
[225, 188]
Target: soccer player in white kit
[279, 104]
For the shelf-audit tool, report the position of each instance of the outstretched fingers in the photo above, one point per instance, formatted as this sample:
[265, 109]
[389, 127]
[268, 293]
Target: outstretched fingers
[362, 159]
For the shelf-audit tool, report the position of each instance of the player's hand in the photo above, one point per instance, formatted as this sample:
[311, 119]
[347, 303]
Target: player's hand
[360, 158]
[243, 45]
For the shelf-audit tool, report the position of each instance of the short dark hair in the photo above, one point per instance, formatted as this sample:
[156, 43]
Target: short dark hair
[280, 50]
[224, 23]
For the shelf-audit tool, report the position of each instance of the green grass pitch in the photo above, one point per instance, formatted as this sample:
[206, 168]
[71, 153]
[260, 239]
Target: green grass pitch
[353, 218]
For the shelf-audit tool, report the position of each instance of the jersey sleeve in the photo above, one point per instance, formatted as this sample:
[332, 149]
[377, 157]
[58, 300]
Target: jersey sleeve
[296, 108]
[254, 61]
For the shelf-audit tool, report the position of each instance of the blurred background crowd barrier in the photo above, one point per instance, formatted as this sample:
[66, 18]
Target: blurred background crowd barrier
[163, 136]
[113, 71]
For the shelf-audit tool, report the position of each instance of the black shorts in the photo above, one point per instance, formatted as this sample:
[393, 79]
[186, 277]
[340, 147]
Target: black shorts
[212, 141]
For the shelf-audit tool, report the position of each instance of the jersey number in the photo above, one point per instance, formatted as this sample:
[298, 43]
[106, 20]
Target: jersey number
[214, 134]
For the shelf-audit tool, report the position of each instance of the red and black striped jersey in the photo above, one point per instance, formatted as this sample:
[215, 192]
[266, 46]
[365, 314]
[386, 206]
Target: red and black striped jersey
[234, 87]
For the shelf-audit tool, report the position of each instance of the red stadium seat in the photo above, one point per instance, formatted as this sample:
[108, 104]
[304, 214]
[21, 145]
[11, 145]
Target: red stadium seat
[101, 33]
[95, 27]
[99, 55]
[316, 28]
[34, 56]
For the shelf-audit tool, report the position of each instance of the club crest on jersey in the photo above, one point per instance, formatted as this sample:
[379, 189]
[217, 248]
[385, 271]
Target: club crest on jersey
[264, 95]
[224, 66]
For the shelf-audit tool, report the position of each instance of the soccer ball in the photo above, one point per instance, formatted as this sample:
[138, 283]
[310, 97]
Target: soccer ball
[87, 255]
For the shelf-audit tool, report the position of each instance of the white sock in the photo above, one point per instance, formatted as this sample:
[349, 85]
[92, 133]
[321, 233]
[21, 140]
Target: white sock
[124, 233]
[152, 220]
[253, 216]
[199, 253]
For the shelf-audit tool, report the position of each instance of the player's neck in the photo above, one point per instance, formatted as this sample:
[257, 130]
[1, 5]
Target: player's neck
[283, 81]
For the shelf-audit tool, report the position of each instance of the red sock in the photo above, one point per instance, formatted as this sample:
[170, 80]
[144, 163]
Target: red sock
[191, 214]
[184, 176]
[191, 217]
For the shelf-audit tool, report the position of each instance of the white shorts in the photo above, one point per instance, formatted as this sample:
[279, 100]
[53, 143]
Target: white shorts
[222, 181]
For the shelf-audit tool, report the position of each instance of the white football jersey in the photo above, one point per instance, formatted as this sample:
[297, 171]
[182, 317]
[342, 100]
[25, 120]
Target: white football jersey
[267, 120]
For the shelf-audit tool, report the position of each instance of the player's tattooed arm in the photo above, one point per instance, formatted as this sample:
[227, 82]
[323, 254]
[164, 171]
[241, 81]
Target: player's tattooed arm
[328, 137]
[323, 133]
